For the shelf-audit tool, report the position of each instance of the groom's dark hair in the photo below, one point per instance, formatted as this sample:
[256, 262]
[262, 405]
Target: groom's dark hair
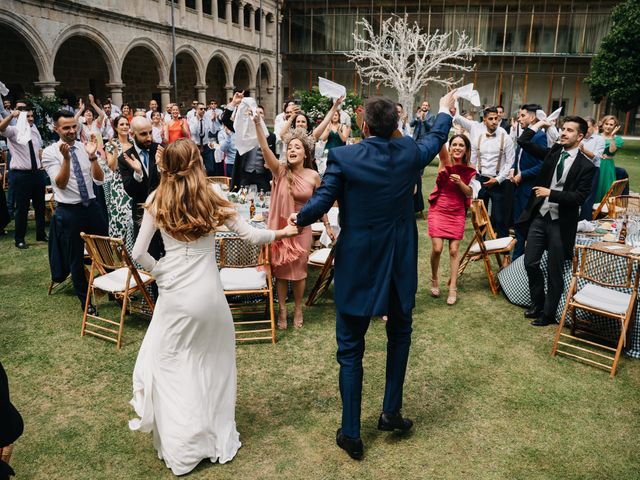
[381, 116]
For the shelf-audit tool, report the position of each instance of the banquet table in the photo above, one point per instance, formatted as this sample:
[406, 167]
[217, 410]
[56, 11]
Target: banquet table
[515, 285]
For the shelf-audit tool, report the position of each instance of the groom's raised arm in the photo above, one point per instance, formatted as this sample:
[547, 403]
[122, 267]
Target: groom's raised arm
[432, 142]
[322, 200]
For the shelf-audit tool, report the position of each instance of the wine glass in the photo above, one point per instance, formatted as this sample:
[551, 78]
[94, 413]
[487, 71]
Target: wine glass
[252, 193]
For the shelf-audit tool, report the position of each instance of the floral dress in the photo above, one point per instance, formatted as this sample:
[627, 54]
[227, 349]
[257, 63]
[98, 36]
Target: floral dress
[119, 204]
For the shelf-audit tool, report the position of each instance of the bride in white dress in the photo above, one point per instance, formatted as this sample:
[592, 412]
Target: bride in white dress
[184, 380]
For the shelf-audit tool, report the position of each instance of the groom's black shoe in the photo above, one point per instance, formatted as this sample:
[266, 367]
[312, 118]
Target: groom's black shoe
[353, 446]
[389, 422]
[533, 312]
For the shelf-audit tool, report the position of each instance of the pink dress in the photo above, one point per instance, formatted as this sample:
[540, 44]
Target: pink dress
[447, 203]
[289, 256]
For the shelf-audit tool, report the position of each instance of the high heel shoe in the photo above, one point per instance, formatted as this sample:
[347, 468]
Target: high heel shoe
[452, 298]
[298, 318]
[282, 320]
[435, 290]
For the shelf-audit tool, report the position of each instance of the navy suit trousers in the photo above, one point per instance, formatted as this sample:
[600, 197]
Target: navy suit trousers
[350, 332]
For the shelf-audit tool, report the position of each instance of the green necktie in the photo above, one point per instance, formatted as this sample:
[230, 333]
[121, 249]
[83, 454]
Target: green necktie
[560, 167]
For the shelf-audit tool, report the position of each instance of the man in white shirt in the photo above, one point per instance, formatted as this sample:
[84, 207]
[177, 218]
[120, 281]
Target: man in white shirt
[201, 126]
[153, 107]
[194, 108]
[214, 113]
[492, 153]
[73, 169]
[592, 146]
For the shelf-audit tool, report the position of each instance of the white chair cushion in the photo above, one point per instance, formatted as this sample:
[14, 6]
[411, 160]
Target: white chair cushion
[603, 298]
[317, 227]
[243, 279]
[605, 209]
[495, 244]
[320, 255]
[116, 281]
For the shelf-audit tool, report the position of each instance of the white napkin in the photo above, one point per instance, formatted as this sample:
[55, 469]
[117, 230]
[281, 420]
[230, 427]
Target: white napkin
[585, 226]
[475, 188]
[468, 93]
[540, 115]
[244, 126]
[24, 129]
[4, 91]
[331, 89]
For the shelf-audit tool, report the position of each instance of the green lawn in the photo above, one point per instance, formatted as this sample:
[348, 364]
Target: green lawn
[488, 400]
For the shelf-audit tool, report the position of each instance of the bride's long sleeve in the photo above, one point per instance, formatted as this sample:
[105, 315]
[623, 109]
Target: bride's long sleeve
[140, 253]
[246, 232]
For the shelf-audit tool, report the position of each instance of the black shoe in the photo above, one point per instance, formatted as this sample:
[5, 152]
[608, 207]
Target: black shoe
[533, 312]
[389, 422]
[543, 321]
[92, 310]
[44, 238]
[353, 446]
[22, 245]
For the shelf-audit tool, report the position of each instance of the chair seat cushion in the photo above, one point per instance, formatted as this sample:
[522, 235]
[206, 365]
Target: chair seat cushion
[605, 209]
[320, 255]
[317, 227]
[116, 281]
[495, 244]
[243, 278]
[603, 298]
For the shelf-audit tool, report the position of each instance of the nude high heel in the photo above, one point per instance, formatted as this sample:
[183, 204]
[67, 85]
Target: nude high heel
[435, 289]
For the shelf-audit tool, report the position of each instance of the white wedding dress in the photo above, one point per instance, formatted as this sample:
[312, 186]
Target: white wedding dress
[184, 380]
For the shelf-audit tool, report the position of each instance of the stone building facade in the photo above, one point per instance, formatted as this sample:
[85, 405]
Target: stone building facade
[123, 49]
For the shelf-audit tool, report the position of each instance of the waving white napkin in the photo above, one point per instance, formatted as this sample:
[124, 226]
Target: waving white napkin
[24, 129]
[467, 92]
[4, 91]
[331, 89]
[244, 126]
[540, 115]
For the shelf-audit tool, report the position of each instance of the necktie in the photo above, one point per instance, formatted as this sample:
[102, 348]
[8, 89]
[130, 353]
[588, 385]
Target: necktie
[560, 167]
[201, 131]
[77, 172]
[32, 154]
[145, 159]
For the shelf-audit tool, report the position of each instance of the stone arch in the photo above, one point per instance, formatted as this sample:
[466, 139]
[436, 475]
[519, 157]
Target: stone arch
[218, 76]
[141, 77]
[189, 67]
[161, 60]
[34, 43]
[107, 51]
[195, 55]
[243, 73]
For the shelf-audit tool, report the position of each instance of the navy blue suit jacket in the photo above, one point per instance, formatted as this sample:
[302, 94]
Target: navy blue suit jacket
[373, 183]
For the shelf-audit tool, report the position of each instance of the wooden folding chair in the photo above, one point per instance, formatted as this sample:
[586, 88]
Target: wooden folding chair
[485, 243]
[595, 289]
[119, 277]
[615, 190]
[245, 273]
[623, 204]
[221, 180]
[322, 258]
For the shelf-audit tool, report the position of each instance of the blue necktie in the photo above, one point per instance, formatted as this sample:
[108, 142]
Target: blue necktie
[145, 159]
[77, 172]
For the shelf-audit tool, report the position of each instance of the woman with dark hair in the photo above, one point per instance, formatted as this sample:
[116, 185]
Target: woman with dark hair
[448, 205]
[184, 380]
[299, 120]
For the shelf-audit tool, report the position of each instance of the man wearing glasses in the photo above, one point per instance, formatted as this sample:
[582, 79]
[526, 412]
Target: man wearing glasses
[194, 108]
[200, 126]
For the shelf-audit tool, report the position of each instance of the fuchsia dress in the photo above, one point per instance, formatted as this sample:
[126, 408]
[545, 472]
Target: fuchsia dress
[448, 205]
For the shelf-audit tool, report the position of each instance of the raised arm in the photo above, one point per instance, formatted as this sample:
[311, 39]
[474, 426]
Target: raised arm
[465, 123]
[526, 143]
[99, 111]
[269, 157]
[80, 110]
[327, 118]
[6, 121]
[344, 131]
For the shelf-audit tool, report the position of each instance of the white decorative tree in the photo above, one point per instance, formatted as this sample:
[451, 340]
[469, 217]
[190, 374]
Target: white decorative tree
[404, 58]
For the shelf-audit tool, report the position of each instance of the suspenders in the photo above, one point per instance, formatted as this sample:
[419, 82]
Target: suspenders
[500, 155]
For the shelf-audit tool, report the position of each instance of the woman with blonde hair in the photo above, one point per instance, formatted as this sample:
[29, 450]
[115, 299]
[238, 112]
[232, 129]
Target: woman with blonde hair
[294, 182]
[609, 127]
[184, 380]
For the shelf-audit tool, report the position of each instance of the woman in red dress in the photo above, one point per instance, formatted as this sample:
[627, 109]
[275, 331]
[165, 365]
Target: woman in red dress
[448, 205]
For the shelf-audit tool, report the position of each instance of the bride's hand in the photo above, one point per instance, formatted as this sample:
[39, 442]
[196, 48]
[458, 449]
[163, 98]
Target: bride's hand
[286, 232]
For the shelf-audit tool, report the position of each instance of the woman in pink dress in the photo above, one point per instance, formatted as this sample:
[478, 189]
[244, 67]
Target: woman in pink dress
[448, 205]
[293, 185]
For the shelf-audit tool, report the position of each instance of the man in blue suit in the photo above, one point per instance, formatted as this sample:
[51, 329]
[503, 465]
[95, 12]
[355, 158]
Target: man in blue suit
[377, 252]
[525, 169]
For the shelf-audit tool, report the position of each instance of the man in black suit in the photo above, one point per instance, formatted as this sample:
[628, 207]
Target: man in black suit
[552, 212]
[140, 174]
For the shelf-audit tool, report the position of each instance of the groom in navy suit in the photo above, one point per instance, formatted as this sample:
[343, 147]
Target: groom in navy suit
[377, 252]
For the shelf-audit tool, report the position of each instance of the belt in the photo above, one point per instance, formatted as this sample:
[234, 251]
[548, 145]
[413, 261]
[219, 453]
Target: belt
[74, 205]
[19, 170]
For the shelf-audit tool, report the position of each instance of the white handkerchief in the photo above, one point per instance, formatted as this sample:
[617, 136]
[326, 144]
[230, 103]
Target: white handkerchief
[244, 126]
[331, 89]
[585, 226]
[24, 129]
[468, 93]
[4, 91]
[540, 115]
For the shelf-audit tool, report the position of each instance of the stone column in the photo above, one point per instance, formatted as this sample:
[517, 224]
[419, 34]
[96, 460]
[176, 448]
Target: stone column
[48, 89]
[116, 93]
[200, 13]
[251, 91]
[201, 91]
[252, 18]
[263, 23]
[229, 91]
[165, 96]
[241, 14]
[183, 11]
[228, 16]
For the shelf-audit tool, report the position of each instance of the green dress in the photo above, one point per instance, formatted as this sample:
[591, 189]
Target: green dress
[334, 140]
[607, 168]
[119, 204]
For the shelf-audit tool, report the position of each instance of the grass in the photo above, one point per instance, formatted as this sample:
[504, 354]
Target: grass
[488, 400]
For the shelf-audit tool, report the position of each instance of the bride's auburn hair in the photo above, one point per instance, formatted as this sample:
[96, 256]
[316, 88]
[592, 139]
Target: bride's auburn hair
[185, 205]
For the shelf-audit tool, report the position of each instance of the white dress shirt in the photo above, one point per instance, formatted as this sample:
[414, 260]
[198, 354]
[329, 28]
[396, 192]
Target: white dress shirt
[52, 162]
[278, 123]
[138, 177]
[492, 163]
[20, 155]
[594, 144]
[194, 127]
[558, 185]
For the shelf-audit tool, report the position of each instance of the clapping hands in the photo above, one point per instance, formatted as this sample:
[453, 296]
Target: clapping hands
[133, 163]
[91, 147]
